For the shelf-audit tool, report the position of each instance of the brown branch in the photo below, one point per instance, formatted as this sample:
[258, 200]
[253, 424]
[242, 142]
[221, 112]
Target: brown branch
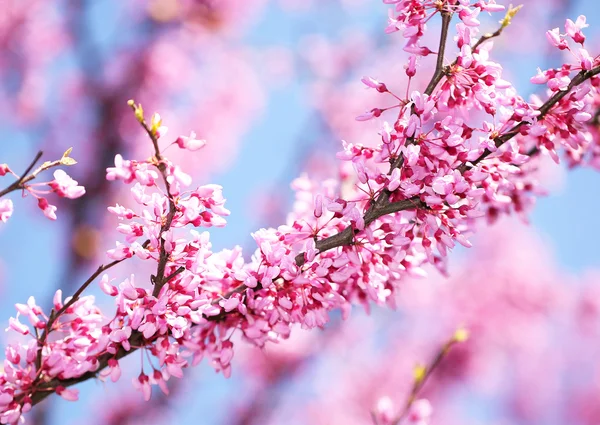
[346, 237]
[47, 388]
[580, 78]
[382, 206]
[20, 183]
[159, 280]
[439, 65]
[440, 70]
[55, 316]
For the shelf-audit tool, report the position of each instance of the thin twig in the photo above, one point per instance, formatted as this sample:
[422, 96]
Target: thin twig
[420, 380]
[20, 183]
[439, 65]
[55, 316]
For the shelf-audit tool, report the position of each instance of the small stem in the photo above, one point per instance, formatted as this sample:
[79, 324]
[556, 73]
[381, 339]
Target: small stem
[175, 273]
[420, 383]
[439, 66]
[19, 184]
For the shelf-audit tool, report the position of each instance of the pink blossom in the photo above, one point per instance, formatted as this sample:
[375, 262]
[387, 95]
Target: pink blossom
[420, 412]
[123, 170]
[556, 39]
[65, 186]
[142, 383]
[374, 113]
[411, 66]
[68, 394]
[49, 210]
[370, 82]
[190, 143]
[573, 29]
[6, 209]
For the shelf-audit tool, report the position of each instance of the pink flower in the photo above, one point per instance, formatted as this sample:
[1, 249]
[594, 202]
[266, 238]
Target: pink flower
[370, 82]
[49, 210]
[556, 39]
[114, 370]
[63, 185]
[318, 210]
[469, 16]
[418, 50]
[68, 394]
[490, 6]
[586, 61]
[120, 252]
[384, 411]
[15, 325]
[190, 143]
[573, 29]
[411, 66]
[560, 82]
[373, 113]
[106, 287]
[6, 209]
[142, 383]
[121, 336]
[123, 170]
[539, 78]
[420, 412]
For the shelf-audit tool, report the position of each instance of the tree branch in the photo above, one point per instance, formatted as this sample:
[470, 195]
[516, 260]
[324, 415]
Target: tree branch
[439, 65]
[580, 78]
[378, 208]
[159, 280]
[55, 316]
[20, 183]
[423, 373]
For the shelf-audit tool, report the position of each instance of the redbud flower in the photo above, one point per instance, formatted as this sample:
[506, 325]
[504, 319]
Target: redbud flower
[14, 324]
[418, 50]
[142, 383]
[539, 78]
[556, 39]
[190, 143]
[122, 170]
[63, 185]
[49, 210]
[68, 394]
[573, 29]
[469, 16]
[373, 113]
[490, 6]
[156, 126]
[411, 66]
[318, 211]
[384, 411]
[371, 82]
[420, 412]
[6, 209]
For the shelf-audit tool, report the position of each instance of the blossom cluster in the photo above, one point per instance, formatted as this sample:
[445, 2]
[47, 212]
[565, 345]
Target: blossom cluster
[459, 150]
